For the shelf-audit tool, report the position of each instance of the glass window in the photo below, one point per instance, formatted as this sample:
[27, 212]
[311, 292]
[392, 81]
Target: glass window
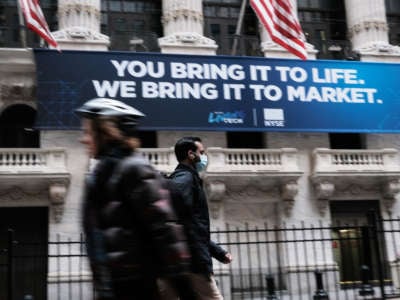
[302, 3]
[209, 11]
[223, 12]
[115, 5]
[138, 26]
[215, 29]
[393, 6]
[234, 12]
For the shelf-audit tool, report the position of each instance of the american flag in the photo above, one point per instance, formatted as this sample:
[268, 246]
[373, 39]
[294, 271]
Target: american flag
[36, 21]
[280, 20]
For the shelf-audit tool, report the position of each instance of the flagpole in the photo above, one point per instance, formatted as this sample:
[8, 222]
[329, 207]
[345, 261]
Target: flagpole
[22, 32]
[238, 27]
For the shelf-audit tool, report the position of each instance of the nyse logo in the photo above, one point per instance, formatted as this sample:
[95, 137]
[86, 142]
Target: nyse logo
[236, 117]
[273, 117]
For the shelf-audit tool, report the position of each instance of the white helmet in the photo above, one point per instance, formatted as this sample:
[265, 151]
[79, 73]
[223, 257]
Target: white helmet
[126, 116]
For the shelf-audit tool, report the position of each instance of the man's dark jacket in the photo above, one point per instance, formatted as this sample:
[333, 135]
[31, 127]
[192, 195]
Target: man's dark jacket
[130, 226]
[196, 219]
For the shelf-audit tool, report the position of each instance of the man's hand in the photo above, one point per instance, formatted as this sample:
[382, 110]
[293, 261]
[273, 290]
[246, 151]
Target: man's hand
[228, 258]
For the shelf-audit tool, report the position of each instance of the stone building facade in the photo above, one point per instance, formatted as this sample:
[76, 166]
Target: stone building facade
[293, 177]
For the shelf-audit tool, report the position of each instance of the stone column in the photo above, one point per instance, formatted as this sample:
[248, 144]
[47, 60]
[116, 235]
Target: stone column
[368, 29]
[79, 25]
[273, 50]
[183, 28]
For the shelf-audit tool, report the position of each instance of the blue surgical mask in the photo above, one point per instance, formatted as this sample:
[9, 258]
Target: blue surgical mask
[202, 164]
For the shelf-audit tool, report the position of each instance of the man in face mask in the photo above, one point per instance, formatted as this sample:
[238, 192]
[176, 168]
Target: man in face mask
[192, 159]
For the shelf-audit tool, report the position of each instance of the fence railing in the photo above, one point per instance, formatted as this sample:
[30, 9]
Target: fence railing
[291, 261]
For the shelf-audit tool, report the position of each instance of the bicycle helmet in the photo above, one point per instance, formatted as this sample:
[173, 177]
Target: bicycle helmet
[126, 117]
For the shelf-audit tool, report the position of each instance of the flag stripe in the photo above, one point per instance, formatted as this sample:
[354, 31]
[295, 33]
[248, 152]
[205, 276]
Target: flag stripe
[281, 23]
[36, 21]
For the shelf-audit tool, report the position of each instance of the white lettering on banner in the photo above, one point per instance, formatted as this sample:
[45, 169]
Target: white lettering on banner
[126, 89]
[236, 89]
[335, 76]
[149, 79]
[259, 72]
[270, 92]
[206, 71]
[179, 90]
[330, 94]
[296, 74]
[139, 69]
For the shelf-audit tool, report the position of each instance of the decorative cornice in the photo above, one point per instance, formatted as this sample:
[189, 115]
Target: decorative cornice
[380, 49]
[52, 194]
[67, 8]
[269, 45]
[78, 33]
[17, 91]
[366, 26]
[174, 15]
[18, 194]
[187, 39]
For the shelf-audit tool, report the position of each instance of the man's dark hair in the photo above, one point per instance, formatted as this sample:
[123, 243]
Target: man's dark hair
[183, 146]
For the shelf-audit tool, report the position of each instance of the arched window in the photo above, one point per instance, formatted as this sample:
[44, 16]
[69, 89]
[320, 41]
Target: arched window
[16, 127]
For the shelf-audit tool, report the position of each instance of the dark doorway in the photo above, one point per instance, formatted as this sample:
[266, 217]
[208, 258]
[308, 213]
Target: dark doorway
[148, 139]
[245, 140]
[27, 256]
[17, 127]
[355, 236]
[346, 141]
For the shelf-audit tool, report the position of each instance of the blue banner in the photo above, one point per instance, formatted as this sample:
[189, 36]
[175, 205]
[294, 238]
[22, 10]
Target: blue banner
[221, 93]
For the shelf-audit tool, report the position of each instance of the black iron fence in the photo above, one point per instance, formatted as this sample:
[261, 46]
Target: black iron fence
[290, 261]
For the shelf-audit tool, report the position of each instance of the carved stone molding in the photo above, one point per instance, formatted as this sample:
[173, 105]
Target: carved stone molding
[288, 206]
[254, 192]
[53, 196]
[17, 91]
[390, 191]
[324, 190]
[215, 209]
[16, 194]
[355, 189]
[215, 190]
[57, 194]
[185, 38]
[366, 26]
[272, 46]
[80, 33]
[379, 49]
[196, 16]
[289, 190]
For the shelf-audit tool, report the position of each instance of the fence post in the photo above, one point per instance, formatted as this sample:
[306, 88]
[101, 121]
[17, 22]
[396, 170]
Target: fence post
[366, 288]
[320, 293]
[374, 222]
[10, 270]
[270, 287]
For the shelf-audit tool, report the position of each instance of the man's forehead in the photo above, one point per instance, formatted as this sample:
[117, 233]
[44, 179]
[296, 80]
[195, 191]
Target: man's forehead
[199, 145]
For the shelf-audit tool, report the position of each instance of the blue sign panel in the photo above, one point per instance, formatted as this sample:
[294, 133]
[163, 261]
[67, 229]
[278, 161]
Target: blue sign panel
[182, 92]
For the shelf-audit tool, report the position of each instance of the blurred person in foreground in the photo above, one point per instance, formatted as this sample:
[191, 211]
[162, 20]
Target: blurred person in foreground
[132, 236]
[192, 159]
